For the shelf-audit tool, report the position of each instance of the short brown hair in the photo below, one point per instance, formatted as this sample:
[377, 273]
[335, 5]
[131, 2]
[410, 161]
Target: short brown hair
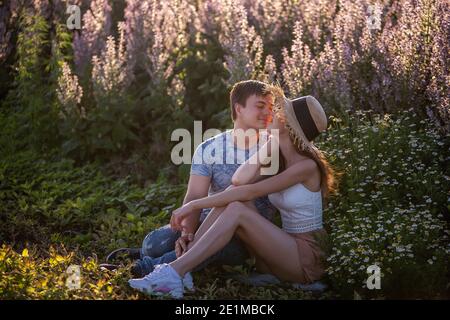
[244, 89]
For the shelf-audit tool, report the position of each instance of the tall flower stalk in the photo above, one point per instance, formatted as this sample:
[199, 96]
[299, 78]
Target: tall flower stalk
[96, 26]
[242, 45]
[155, 32]
[109, 73]
[69, 93]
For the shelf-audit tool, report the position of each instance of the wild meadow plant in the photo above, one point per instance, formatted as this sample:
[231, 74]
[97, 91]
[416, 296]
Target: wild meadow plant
[69, 94]
[97, 26]
[326, 48]
[25, 275]
[351, 66]
[242, 45]
[390, 207]
[116, 97]
[155, 32]
[5, 32]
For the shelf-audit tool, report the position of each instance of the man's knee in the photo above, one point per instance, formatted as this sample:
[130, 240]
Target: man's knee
[159, 241]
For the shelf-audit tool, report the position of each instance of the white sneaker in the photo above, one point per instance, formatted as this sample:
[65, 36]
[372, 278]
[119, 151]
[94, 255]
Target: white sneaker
[188, 282]
[162, 281]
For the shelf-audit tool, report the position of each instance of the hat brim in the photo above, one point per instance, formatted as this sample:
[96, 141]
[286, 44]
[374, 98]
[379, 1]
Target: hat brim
[284, 110]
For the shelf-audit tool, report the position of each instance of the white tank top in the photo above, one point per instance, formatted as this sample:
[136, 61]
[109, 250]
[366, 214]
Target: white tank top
[300, 208]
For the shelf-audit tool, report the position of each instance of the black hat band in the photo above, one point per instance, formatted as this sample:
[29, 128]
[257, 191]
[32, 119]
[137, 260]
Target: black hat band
[304, 118]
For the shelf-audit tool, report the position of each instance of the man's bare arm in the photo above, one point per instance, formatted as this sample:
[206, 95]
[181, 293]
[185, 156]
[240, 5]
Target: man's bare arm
[198, 187]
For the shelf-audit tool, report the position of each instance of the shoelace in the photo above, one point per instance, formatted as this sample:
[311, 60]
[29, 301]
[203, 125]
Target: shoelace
[156, 271]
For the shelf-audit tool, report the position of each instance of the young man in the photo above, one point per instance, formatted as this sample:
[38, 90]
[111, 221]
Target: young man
[250, 105]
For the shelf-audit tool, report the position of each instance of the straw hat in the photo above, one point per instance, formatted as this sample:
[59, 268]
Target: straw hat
[304, 117]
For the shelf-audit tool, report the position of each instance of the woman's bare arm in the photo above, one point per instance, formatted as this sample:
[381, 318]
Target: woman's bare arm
[250, 170]
[297, 173]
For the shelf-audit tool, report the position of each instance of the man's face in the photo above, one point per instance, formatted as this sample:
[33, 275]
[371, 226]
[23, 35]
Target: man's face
[257, 113]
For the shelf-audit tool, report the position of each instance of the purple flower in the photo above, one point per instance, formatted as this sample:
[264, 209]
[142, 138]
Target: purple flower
[95, 28]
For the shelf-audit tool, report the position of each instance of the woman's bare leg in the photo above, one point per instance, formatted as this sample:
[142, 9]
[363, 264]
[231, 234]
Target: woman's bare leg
[207, 223]
[269, 242]
[260, 265]
[211, 218]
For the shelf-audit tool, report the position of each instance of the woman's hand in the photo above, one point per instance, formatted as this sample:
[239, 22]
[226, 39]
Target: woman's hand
[179, 214]
[182, 244]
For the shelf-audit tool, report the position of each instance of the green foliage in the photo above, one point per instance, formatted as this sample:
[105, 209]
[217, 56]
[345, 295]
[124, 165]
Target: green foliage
[107, 130]
[47, 202]
[31, 98]
[391, 206]
[206, 92]
[31, 276]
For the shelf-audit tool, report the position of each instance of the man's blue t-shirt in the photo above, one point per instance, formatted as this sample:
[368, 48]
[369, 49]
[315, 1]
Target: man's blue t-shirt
[219, 158]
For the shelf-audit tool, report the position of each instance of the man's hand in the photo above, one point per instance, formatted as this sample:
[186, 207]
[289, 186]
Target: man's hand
[198, 187]
[181, 245]
[179, 215]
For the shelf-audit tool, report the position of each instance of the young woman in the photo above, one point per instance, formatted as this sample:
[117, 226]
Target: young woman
[303, 182]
